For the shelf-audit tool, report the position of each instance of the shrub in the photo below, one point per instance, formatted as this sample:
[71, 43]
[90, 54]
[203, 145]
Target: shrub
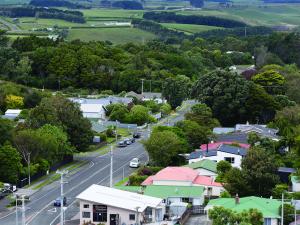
[136, 180]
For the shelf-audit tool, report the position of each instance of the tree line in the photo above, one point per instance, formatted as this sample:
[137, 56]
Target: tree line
[56, 3]
[171, 17]
[28, 11]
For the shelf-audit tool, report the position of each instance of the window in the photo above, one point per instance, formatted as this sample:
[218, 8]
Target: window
[267, 221]
[229, 159]
[86, 206]
[131, 216]
[100, 213]
[86, 215]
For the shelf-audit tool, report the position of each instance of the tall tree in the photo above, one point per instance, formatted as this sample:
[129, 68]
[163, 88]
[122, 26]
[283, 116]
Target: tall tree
[6, 130]
[176, 89]
[10, 164]
[225, 93]
[61, 112]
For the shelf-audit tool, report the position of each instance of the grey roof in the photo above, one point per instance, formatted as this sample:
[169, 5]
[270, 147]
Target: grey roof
[223, 130]
[133, 94]
[232, 150]
[260, 129]
[286, 170]
[152, 95]
[214, 152]
[199, 153]
[102, 101]
[234, 137]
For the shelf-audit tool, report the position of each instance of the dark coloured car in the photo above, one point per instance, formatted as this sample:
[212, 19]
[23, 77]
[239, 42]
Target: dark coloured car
[57, 201]
[136, 135]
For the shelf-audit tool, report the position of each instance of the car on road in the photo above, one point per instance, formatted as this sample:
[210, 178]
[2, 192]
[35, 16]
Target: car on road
[134, 163]
[122, 144]
[136, 135]
[129, 141]
[57, 201]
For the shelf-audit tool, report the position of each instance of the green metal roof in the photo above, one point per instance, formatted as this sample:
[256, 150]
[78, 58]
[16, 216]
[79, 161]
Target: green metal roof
[135, 189]
[205, 164]
[162, 191]
[270, 208]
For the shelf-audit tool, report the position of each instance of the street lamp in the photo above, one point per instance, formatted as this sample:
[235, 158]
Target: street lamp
[62, 173]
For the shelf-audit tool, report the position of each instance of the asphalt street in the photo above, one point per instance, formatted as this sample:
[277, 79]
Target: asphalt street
[40, 209]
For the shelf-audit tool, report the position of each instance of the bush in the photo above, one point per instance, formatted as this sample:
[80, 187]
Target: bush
[110, 132]
[136, 180]
[103, 137]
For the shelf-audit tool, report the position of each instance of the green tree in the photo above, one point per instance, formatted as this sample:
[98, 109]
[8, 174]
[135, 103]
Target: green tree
[61, 112]
[10, 164]
[176, 89]
[235, 182]
[259, 166]
[6, 130]
[14, 102]
[165, 109]
[222, 168]
[203, 115]
[117, 112]
[225, 93]
[139, 115]
[163, 148]
[288, 213]
[271, 81]
[196, 134]
[278, 190]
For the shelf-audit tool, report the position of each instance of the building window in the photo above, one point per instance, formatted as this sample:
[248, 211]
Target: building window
[100, 213]
[86, 206]
[86, 215]
[229, 159]
[131, 216]
[267, 221]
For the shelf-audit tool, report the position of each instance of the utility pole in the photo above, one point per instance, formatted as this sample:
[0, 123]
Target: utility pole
[282, 197]
[23, 211]
[29, 180]
[142, 86]
[150, 86]
[116, 131]
[62, 173]
[245, 31]
[111, 167]
[137, 215]
[17, 219]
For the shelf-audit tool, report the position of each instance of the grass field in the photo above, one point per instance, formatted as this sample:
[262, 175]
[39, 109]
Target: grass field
[112, 13]
[189, 28]
[268, 15]
[115, 35]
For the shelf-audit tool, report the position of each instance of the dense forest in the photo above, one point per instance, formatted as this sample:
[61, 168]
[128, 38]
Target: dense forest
[170, 17]
[26, 11]
[127, 5]
[55, 3]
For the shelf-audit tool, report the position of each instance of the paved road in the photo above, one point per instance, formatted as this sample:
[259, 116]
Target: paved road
[40, 210]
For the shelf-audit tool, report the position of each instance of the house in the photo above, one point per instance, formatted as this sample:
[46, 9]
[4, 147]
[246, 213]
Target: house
[12, 114]
[259, 129]
[295, 183]
[110, 206]
[170, 193]
[134, 95]
[236, 137]
[205, 167]
[230, 153]
[157, 97]
[93, 108]
[270, 208]
[215, 145]
[184, 176]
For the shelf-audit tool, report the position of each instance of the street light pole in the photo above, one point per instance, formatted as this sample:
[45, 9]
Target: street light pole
[23, 211]
[62, 173]
[17, 221]
[29, 168]
[111, 167]
[142, 86]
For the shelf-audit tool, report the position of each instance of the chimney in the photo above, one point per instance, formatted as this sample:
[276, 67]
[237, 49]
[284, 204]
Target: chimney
[237, 199]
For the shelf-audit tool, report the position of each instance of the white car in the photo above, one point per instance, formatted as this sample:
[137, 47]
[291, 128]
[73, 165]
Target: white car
[134, 163]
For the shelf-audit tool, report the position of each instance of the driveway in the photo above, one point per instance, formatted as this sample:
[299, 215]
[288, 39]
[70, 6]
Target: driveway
[197, 220]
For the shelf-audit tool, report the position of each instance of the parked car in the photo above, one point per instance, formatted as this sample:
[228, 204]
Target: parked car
[136, 135]
[129, 141]
[57, 201]
[134, 163]
[122, 144]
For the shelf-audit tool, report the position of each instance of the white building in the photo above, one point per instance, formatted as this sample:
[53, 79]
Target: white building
[12, 114]
[295, 184]
[92, 111]
[109, 206]
[229, 153]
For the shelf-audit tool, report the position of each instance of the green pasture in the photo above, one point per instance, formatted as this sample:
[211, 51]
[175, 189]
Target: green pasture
[189, 28]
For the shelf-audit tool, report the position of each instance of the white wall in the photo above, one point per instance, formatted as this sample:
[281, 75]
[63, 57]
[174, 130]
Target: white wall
[123, 214]
[195, 201]
[221, 156]
[295, 187]
[216, 191]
